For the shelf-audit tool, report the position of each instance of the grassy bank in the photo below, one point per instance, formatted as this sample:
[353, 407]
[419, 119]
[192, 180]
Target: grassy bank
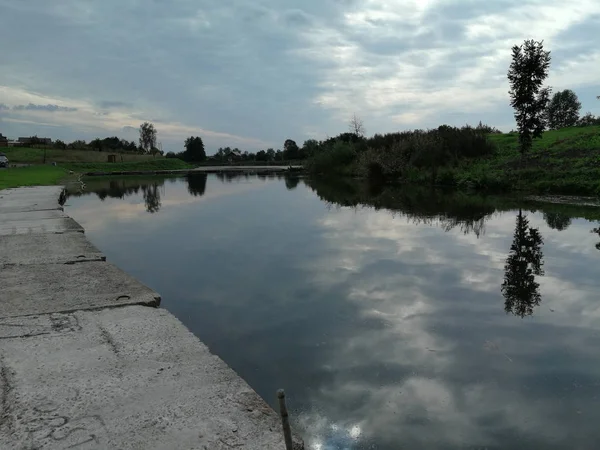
[137, 166]
[565, 161]
[48, 175]
[23, 155]
[32, 176]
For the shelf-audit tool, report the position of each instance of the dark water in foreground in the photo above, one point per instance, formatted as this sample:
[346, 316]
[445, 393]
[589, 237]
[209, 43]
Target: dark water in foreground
[394, 318]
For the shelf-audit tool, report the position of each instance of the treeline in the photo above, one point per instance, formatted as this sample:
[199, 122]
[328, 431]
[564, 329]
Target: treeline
[396, 154]
[194, 152]
[147, 143]
[108, 144]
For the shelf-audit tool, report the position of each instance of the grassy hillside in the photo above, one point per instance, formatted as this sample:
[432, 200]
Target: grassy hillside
[23, 155]
[563, 161]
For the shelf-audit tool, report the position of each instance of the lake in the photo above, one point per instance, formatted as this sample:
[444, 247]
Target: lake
[393, 317]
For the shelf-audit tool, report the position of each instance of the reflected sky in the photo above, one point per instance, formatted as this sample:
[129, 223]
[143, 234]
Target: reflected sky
[379, 311]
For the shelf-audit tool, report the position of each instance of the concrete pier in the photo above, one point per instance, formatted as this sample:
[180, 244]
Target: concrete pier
[88, 361]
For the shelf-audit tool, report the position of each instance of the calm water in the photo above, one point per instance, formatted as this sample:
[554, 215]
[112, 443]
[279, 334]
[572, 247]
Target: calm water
[394, 318]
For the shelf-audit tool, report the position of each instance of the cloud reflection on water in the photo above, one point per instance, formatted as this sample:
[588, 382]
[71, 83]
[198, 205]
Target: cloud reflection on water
[385, 325]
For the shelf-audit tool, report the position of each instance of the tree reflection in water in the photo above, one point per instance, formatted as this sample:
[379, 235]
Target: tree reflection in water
[597, 231]
[524, 262]
[151, 197]
[197, 184]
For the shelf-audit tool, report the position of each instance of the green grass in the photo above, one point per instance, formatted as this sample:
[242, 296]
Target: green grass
[565, 161]
[31, 176]
[139, 166]
[24, 155]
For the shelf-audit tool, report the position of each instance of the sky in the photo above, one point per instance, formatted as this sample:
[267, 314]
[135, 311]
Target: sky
[250, 74]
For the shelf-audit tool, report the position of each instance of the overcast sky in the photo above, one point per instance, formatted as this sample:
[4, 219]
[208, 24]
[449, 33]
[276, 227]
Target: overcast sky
[251, 73]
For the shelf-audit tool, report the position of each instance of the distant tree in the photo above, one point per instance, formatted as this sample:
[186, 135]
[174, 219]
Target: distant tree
[171, 155]
[194, 149]
[563, 110]
[524, 262]
[278, 155]
[557, 221]
[290, 150]
[147, 137]
[310, 147]
[270, 154]
[526, 75]
[60, 144]
[77, 145]
[588, 120]
[197, 184]
[356, 126]
[96, 144]
[261, 155]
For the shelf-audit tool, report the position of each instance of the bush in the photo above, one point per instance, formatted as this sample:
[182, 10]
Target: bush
[332, 159]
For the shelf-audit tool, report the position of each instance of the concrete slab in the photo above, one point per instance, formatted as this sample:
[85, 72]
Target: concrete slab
[126, 378]
[31, 216]
[63, 225]
[47, 249]
[49, 288]
[35, 198]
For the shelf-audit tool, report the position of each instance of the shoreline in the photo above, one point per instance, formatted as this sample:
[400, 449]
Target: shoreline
[88, 357]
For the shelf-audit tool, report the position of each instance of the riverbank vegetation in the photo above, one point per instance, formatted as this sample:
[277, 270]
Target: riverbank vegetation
[562, 161]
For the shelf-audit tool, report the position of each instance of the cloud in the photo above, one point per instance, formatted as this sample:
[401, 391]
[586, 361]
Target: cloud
[108, 104]
[270, 70]
[46, 108]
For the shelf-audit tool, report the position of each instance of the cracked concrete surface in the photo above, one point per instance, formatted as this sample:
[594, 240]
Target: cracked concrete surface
[77, 372]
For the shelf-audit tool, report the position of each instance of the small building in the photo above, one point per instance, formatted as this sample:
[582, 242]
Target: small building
[3, 141]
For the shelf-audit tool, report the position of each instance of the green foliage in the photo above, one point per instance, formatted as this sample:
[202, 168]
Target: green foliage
[395, 155]
[31, 176]
[563, 110]
[588, 120]
[291, 150]
[147, 137]
[332, 158]
[526, 75]
[194, 150]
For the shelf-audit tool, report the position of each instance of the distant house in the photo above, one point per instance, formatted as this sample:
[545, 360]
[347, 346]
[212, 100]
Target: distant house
[3, 141]
[235, 155]
[34, 140]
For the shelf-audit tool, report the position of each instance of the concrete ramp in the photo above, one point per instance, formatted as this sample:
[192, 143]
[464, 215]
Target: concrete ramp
[51, 288]
[127, 378]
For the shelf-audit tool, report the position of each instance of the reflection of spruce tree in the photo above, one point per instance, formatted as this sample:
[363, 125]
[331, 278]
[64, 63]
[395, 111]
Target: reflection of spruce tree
[557, 221]
[151, 197]
[597, 231]
[197, 184]
[520, 290]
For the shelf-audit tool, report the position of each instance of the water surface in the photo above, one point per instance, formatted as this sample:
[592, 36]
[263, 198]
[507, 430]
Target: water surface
[393, 317]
